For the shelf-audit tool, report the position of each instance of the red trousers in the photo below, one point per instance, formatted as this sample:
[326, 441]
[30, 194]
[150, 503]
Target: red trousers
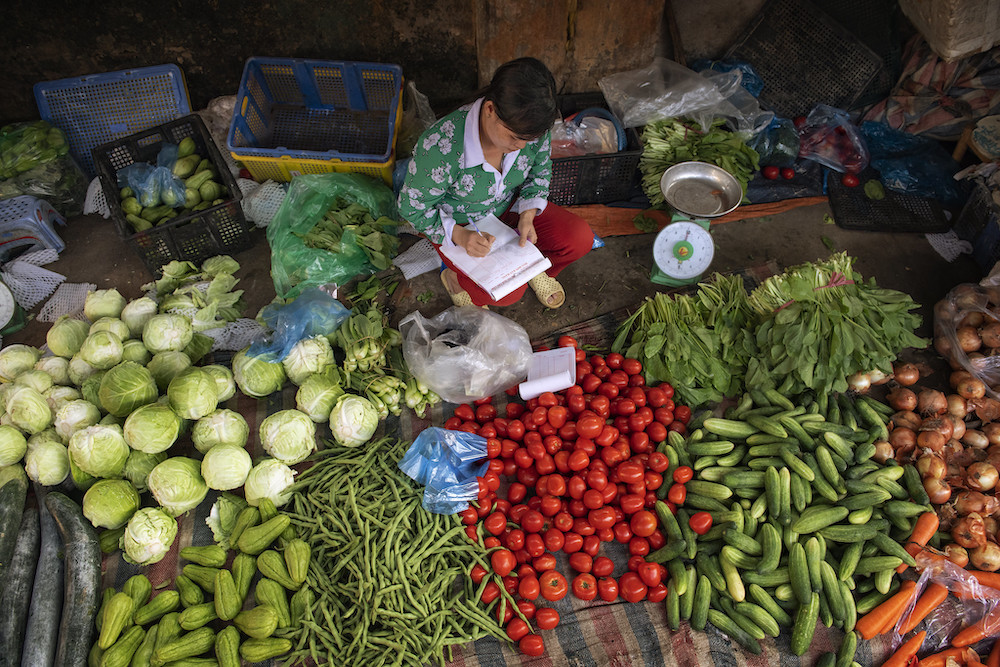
[563, 237]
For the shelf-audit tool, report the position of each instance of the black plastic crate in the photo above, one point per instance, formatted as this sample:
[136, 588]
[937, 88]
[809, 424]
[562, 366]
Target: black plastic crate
[193, 236]
[805, 58]
[594, 179]
[896, 212]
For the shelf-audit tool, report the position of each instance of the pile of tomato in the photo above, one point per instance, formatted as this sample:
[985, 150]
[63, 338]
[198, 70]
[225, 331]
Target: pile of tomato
[567, 472]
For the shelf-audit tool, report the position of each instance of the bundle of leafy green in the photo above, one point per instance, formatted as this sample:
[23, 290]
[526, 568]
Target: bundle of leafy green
[206, 293]
[350, 221]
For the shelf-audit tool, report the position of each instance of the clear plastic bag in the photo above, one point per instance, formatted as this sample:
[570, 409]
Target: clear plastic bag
[313, 313]
[969, 316]
[448, 463]
[35, 160]
[465, 353]
[666, 89]
[829, 137]
[777, 144]
[591, 135]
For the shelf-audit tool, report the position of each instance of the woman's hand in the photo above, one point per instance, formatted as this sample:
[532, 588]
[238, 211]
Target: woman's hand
[526, 227]
[476, 244]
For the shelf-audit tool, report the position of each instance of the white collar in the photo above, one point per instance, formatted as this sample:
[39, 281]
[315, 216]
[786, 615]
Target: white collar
[473, 156]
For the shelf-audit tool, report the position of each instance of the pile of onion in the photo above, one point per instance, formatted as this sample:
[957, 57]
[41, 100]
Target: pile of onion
[957, 463]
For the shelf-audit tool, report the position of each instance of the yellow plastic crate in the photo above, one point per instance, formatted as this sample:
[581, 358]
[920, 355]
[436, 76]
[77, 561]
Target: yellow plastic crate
[297, 117]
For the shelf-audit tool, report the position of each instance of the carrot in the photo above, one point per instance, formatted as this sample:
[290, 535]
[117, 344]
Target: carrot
[923, 530]
[962, 655]
[991, 579]
[871, 623]
[987, 626]
[909, 648]
[932, 596]
[994, 658]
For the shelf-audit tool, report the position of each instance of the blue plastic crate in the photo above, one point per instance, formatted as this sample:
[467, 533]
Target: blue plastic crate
[316, 116]
[97, 108]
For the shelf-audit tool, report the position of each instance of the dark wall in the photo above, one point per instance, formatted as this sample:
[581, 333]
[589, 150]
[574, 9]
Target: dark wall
[434, 42]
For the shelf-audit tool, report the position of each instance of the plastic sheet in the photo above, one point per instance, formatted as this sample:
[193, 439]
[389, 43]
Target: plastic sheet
[465, 353]
[448, 463]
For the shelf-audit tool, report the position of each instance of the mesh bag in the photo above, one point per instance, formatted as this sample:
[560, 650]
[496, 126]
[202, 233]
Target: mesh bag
[236, 335]
[68, 299]
[96, 202]
[28, 281]
[261, 201]
[417, 259]
[948, 245]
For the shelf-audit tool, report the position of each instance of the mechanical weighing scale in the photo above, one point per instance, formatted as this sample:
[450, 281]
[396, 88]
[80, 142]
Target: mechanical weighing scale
[683, 250]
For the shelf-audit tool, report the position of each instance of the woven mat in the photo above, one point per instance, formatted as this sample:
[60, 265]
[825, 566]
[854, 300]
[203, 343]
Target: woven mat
[594, 633]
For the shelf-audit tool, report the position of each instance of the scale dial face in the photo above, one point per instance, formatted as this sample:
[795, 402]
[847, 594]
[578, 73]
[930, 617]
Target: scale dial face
[683, 250]
[6, 305]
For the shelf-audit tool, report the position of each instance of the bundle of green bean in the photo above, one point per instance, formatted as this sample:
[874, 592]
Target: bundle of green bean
[390, 579]
[806, 525]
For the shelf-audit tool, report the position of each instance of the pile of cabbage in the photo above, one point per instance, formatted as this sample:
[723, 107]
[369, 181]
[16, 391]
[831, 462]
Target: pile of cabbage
[115, 397]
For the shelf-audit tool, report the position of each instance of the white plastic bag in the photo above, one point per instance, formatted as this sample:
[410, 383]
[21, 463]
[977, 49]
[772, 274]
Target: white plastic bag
[465, 353]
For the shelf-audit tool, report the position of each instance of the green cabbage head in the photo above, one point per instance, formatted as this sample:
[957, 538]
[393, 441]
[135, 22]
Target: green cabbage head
[16, 359]
[110, 503]
[353, 420]
[13, 446]
[66, 336]
[177, 485]
[221, 427]
[47, 463]
[255, 377]
[99, 450]
[167, 332]
[270, 478]
[193, 393]
[288, 435]
[226, 467]
[152, 428]
[148, 536]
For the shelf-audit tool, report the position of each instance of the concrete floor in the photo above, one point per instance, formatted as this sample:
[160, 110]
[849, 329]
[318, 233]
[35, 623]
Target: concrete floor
[606, 279]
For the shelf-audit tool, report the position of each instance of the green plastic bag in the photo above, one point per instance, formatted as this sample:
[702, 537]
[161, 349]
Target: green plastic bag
[294, 266]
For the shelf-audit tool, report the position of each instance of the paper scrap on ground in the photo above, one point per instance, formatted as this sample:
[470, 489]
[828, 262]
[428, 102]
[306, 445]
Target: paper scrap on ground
[551, 370]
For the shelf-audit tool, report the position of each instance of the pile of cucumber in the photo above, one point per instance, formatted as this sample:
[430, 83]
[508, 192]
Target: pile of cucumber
[159, 203]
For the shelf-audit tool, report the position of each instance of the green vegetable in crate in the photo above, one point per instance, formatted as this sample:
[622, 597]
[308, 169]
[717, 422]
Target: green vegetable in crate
[191, 198]
[185, 166]
[131, 205]
[200, 178]
[210, 190]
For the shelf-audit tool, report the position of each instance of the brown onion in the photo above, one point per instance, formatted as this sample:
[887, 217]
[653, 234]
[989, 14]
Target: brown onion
[971, 388]
[907, 419]
[938, 490]
[990, 334]
[956, 377]
[943, 346]
[986, 557]
[931, 440]
[968, 339]
[939, 424]
[902, 399]
[957, 407]
[973, 318]
[931, 402]
[993, 456]
[992, 432]
[975, 439]
[903, 438]
[956, 554]
[969, 532]
[884, 451]
[967, 502]
[906, 375]
[957, 426]
[981, 477]
[931, 465]
[991, 526]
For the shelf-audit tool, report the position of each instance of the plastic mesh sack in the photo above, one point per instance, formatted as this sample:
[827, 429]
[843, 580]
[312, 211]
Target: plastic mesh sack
[419, 258]
[261, 201]
[95, 201]
[448, 464]
[237, 335]
[28, 281]
[948, 245]
[68, 299]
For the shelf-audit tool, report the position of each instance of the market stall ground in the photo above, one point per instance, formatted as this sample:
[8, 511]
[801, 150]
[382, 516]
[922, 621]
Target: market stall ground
[607, 279]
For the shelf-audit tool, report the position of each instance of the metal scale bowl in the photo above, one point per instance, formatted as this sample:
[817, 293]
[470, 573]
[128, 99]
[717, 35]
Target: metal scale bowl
[697, 191]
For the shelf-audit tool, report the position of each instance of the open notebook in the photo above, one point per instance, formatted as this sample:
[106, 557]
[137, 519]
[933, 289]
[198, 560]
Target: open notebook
[507, 267]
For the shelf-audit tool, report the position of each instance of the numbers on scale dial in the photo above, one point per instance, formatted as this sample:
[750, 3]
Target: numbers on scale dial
[683, 250]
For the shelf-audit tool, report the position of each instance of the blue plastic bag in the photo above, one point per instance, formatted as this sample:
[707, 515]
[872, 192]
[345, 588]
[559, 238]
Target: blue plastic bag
[155, 185]
[751, 80]
[312, 313]
[912, 164]
[448, 463]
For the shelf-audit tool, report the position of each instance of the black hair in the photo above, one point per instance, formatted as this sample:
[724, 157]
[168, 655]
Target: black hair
[523, 92]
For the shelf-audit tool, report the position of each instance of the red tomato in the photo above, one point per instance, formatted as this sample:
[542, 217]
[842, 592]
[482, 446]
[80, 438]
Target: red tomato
[551, 505]
[558, 415]
[503, 562]
[638, 546]
[630, 472]
[654, 480]
[515, 429]
[770, 172]
[485, 413]
[657, 540]
[631, 587]
[524, 569]
[553, 585]
[700, 522]
[677, 494]
[682, 413]
[601, 406]
[576, 404]
[608, 389]
[589, 426]
[563, 521]
[657, 593]
[623, 407]
[452, 423]
[517, 511]
[602, 567]
[547, 399]
[664, 415]
[515, 539]
[528, 588]
[583, 527]
[490, 593]
[532, 521]
[532, 645]
[614, 360]
[508, 613]
[478, 573]
[544, 562]
[601, 517]
[578, 460]
[534, 545]
[658, 461]
[546, 618]
[631, 503]
[495, 523]
[651, 573]
[591, 545]
[567, 341]
[527, 608]
[639, 441]
[554, 539]
[623, 532]
[517, 628]
[605, 534]
[581, 562]
[469, 516]
[593, 499]
[585, 586]
[465, 412]
[561, 459]
[607, 588]
[788, 173]
[656, 431]
[632, 366]
[471, 533]
[634, 562]
[643, 523]
[655, 397]
[573, 543]
[683, 474]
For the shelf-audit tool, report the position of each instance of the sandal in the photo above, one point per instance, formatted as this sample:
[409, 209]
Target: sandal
[546, 287]
[460, 298]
